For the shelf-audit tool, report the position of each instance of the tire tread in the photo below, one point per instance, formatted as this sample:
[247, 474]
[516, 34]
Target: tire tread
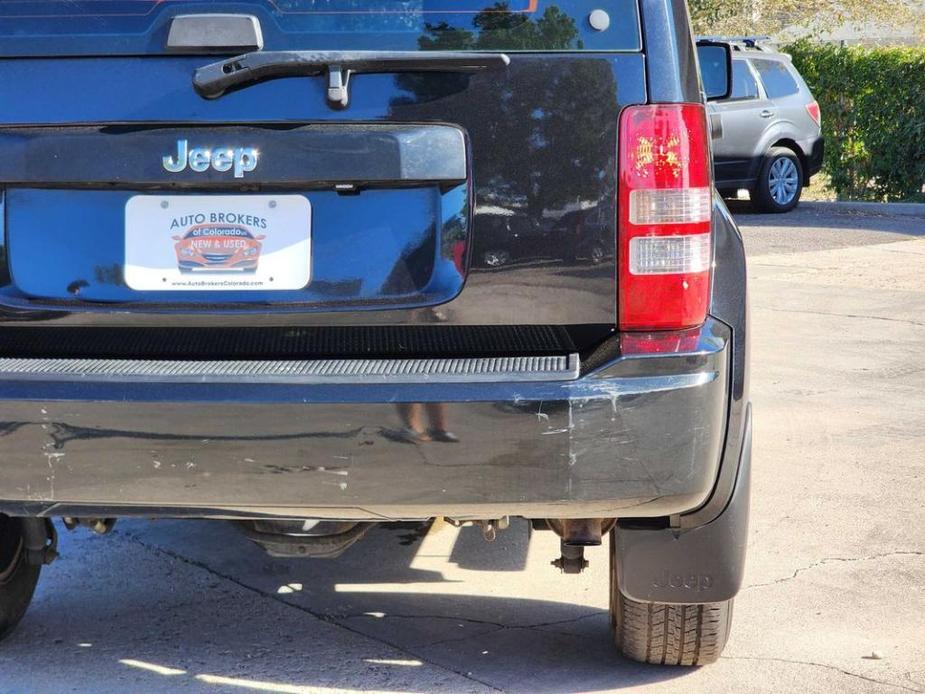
[666, 634]
[16, 593]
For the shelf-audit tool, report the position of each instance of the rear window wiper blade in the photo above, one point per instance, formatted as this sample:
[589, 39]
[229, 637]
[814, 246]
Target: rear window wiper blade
[211, 81]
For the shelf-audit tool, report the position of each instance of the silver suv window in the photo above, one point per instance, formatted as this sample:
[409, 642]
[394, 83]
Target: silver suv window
[744, 86]
[778, 82]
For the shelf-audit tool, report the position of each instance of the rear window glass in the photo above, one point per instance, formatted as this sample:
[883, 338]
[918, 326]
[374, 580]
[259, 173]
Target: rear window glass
[744, 85]
[778, 82]
[105, 27]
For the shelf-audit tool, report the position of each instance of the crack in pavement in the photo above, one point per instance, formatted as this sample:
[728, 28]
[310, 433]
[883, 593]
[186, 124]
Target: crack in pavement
[810, 663]
[787, 266]
[471, 620]
[466, 637]
[568, 634]
[835, 560]
[327, 619]
[918, 324]
[901, 251]
[498, 627]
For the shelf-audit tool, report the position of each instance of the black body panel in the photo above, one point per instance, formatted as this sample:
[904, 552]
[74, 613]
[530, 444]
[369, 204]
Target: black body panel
[541, 167]
[302, 156]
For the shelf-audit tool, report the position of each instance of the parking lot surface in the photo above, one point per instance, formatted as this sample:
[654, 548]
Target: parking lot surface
[835, 587]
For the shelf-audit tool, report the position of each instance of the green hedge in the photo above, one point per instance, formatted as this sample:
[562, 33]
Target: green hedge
[873, 117]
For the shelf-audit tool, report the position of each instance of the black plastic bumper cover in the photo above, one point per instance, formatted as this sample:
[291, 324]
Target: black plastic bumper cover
[701, 565]
[636, 435]
[816, 156]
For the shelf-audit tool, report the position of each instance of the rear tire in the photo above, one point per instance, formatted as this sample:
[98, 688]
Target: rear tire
[667, 634]
[780, 183]
[17, 577]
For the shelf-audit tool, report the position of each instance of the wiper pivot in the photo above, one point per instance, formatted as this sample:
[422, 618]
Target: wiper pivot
[211, 81]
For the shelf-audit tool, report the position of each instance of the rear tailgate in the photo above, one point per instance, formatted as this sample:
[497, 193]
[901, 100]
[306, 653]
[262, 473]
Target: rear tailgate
[455, 198]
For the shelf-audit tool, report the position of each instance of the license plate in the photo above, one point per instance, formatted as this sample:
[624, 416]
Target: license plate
[217, 242]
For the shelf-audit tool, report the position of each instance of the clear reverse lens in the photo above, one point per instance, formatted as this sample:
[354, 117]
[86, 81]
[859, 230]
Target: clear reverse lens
[669, 255]
[678, 206]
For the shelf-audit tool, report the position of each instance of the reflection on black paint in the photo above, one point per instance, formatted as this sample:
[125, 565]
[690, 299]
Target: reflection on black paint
[61, 434]
[497, 28]
[422, 422]
[541, 146]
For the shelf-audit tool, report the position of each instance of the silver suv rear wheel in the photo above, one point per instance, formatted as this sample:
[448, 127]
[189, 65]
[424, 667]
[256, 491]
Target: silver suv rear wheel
[780, 183]
[784, 181]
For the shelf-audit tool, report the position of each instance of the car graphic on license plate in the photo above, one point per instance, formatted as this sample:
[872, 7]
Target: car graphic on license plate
[218, 248]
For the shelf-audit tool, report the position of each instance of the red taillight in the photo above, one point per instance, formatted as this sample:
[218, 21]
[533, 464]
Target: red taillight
[814, 112]
[666, 205]
[673, 342]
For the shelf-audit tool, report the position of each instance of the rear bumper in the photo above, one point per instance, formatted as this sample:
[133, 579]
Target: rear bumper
[815, 154]
[633, 435]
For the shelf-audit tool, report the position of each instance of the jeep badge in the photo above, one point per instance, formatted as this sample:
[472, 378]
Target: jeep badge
[200, 159]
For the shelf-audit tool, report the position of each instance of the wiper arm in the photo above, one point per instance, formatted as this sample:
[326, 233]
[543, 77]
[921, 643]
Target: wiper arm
[211, 81]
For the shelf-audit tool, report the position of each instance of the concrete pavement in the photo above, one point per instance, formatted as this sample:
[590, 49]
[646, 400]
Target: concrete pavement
[835, 587]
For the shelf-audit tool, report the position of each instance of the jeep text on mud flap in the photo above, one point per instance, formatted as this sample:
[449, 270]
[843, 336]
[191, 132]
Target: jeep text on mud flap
[256, 253]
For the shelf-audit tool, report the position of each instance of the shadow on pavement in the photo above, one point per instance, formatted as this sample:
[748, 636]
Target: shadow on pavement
[402, 586]
[823, 216]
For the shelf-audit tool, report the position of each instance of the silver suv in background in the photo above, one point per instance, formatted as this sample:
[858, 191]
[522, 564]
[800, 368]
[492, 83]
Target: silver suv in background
[766, 136]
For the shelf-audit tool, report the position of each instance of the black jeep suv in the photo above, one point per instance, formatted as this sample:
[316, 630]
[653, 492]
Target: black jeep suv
[249, 271]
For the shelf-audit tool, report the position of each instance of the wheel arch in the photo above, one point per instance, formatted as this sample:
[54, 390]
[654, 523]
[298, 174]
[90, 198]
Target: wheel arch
[793, 145]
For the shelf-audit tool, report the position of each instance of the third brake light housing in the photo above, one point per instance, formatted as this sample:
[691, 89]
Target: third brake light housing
[665, 204]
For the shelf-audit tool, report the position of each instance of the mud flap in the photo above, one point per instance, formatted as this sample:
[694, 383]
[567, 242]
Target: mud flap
[701, 565]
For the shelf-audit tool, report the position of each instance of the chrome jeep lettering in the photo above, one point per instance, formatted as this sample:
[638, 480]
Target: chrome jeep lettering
[241, 160]
[222, 159]
[178, 163]
[695, 582]
[245, 159]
